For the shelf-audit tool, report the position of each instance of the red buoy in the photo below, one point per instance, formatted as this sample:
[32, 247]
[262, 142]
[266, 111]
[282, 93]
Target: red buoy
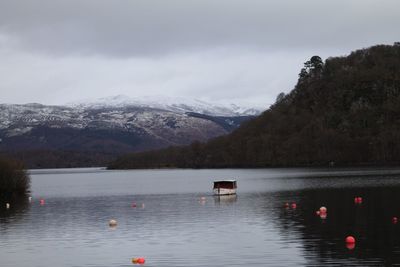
[323, 209]
[350, 246]
[350, 240]
[133, 205]
[323, 216]
[141, 260]
[42, 202]
[294, 205]
[394, 220]
[358, 200]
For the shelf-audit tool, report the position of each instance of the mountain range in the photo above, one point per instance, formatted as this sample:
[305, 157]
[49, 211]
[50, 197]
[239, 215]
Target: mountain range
[89, 133]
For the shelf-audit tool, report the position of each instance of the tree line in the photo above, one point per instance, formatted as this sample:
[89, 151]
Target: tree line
[14, 181]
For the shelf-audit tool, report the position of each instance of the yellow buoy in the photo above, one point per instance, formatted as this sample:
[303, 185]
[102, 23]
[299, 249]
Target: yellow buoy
[112, 223]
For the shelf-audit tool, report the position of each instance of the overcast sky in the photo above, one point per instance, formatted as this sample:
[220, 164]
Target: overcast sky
[240, 51]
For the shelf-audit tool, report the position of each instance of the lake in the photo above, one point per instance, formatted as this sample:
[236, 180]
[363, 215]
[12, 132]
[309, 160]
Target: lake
[171, 218]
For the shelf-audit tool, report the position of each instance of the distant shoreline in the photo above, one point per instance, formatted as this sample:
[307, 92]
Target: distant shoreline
[394, 169]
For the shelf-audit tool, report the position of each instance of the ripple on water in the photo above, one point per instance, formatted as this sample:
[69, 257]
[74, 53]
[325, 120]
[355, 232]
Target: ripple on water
[176, 228]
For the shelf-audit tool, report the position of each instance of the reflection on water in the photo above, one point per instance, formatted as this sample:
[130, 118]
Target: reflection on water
[18, 207]
[377, 238]
[225, 199]
[172, 219]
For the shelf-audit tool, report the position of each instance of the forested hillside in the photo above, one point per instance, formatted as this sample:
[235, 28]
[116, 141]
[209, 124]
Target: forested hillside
[345, 110]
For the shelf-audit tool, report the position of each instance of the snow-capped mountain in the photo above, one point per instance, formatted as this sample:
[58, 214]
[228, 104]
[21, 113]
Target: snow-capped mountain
[114, 125]
[174, 104]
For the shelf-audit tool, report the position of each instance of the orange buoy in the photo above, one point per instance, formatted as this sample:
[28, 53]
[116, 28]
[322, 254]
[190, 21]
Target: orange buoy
[294, 205]
[323, 209]
[350, 240]
[138, 260]
[287, 205]
[394, 220]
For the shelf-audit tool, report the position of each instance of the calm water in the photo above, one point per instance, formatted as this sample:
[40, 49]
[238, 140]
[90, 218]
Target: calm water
[176, 228]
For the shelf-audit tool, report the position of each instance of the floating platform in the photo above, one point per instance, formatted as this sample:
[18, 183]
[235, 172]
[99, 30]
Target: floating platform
[225, 187]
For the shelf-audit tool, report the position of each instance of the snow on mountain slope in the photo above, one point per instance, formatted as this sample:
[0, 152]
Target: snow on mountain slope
[93, 133]
[114, 125]
[20, 119]
[174, 104]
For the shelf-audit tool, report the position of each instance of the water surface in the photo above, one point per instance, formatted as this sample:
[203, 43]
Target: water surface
[175, 221]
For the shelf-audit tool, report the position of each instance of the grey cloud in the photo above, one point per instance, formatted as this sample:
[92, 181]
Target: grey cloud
[151, 27]
[235, 76]
[57, 51]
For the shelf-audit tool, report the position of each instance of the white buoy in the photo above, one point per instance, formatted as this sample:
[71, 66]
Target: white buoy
[7, 205]
[30, 199]
[112, 223]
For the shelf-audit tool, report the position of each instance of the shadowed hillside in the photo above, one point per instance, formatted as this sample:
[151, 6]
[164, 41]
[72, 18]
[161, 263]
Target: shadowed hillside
[345, 110]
